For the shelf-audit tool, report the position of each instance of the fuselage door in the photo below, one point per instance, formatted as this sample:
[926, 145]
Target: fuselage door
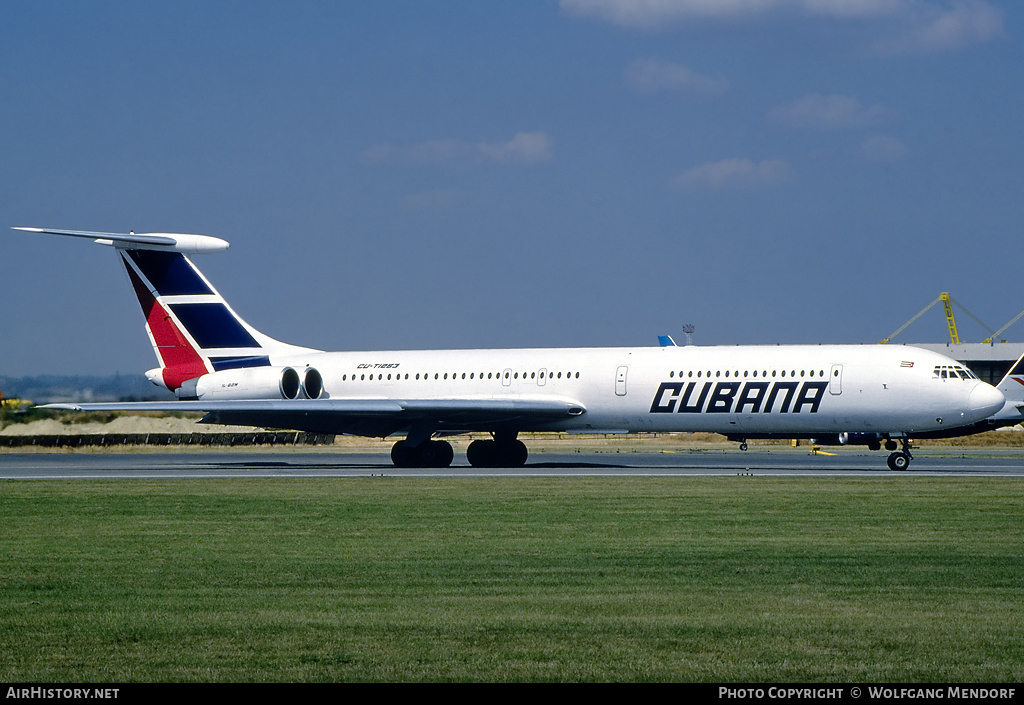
[835, 380]
[506, 377]
[620, 380]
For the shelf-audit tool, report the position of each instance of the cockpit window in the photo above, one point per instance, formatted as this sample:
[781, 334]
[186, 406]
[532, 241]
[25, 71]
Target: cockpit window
[952, 372]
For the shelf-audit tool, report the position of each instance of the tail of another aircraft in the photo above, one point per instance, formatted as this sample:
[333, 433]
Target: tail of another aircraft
[1012, 387]
[192, 329]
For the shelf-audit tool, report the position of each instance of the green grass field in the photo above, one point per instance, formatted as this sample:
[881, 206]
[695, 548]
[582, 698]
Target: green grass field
[387, 579]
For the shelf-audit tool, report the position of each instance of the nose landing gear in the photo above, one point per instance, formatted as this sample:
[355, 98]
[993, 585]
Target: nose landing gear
[900, 460]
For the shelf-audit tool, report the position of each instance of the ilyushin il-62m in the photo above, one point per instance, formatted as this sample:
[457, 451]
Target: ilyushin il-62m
[217, 363]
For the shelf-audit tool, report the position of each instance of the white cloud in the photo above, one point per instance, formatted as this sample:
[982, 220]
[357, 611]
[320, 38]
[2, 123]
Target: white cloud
[731, 174]
[910, 26]
[655, 13]
[929, 29]
[883, 148]
[523, 148]
[650, 75]
[827, 112]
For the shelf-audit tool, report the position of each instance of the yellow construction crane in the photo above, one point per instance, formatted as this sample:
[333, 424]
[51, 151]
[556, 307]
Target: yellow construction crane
[947, 305]
[999, 332]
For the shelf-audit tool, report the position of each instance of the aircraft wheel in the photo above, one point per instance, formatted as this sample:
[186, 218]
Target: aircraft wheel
[403, 455]
[743, 446]
[430, 454]
[517, 454]
[436, 454]
[494, 454]
[899, 461]
[890, 444]
[480, 454]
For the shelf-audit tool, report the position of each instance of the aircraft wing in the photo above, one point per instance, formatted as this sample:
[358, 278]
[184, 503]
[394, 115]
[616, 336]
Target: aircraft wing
[370, 417]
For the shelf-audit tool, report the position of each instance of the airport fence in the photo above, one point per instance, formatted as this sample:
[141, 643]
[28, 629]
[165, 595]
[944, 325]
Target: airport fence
[168, 439]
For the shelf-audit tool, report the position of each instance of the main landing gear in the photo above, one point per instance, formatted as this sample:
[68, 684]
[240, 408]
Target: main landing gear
[900, 460]
[428, 454]
[504, 451]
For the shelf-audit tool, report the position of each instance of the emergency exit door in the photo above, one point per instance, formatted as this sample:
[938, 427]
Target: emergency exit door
[620, 380]
[835, 380]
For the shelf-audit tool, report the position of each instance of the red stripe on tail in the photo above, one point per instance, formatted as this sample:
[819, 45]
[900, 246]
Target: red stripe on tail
[179, 359]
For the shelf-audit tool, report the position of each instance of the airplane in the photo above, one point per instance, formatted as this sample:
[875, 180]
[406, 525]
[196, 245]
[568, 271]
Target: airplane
[217, 363]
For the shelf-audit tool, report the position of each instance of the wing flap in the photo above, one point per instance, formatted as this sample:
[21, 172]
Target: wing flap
[367, 417]
[351, 406]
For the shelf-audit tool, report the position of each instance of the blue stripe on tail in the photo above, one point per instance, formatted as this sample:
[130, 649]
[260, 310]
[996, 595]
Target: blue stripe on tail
[213, 326]
[169, 273]
[234, 363]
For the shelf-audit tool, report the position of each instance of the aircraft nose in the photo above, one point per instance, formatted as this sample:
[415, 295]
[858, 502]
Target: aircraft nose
[986, 399]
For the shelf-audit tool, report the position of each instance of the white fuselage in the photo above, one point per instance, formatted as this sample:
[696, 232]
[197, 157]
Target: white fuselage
[738, 390]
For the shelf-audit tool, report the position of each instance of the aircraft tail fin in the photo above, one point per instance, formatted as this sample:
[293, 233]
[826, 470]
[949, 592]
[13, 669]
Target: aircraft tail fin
[191, 327]
[1012, 387]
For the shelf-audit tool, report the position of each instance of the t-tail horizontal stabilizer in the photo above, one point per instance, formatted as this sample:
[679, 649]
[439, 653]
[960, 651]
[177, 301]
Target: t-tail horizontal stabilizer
[168, 242]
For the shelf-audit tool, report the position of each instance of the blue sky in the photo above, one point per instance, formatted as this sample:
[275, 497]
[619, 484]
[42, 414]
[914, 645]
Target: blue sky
[409, 174]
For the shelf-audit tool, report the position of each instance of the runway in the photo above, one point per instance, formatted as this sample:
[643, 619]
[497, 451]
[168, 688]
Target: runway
[777, 462]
